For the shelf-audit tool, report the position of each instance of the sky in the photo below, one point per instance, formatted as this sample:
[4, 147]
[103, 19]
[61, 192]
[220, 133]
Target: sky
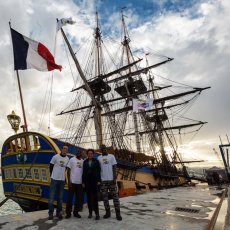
[195, 33]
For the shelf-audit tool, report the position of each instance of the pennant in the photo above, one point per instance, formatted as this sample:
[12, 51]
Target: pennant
[30, 54]
[62, 22]
[142, 104]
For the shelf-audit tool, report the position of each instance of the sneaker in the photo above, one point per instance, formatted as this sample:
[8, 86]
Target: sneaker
[118, 217]
[107, 215]
[68, 216]
[97, 217]
[50, 217]
[90, 215]
[77, 215]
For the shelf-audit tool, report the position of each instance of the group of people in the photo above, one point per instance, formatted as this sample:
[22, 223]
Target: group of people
[92, 175]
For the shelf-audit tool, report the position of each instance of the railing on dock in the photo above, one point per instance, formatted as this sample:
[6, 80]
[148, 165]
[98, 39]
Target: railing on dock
[213, 220]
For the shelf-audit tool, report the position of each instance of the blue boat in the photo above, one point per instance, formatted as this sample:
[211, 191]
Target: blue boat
[25, 170]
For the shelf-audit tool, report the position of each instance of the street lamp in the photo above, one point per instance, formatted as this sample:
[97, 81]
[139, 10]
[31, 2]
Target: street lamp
[14, 121]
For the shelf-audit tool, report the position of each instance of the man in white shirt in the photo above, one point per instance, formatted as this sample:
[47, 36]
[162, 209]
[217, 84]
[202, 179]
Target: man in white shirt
[74, 175]
[108, 182]
[58, 165]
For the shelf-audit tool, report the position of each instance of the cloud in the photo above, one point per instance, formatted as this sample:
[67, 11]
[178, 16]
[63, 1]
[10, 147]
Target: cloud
[196, 35]
[200, 46]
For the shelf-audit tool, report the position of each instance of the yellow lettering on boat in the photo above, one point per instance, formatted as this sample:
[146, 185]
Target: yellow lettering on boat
[28, 189]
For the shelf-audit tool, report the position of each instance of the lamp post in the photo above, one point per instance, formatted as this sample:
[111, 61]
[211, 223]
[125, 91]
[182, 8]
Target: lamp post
[14, 121]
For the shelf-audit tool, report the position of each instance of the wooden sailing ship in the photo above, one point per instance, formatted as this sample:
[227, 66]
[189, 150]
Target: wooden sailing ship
[143, 142]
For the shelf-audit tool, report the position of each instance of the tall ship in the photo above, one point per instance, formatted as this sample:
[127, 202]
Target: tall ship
[117, 102]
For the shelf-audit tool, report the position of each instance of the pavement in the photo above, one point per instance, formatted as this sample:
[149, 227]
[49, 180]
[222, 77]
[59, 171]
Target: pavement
[181, 208]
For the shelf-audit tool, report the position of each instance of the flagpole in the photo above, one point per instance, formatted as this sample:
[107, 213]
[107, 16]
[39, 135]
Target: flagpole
[25, 129]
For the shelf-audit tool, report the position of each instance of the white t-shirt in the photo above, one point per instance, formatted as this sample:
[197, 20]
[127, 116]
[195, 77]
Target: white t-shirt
[107, 163]
[60, 164]
[76, 170]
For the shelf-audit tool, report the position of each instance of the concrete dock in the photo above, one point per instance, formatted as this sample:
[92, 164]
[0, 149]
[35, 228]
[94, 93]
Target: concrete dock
[189, 208]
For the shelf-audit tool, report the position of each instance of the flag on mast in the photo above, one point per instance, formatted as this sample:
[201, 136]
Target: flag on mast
[30, 54]
[63, 22]
[142, 104]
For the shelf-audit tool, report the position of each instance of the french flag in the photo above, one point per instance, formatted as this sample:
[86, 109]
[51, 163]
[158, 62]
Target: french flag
[30, 54]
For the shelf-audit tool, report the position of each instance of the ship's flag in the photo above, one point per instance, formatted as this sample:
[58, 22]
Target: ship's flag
[30, 54]
[142, 104]
[63, 22]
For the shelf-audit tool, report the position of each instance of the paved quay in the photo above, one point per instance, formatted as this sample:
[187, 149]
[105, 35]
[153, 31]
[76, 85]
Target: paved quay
[189, 208]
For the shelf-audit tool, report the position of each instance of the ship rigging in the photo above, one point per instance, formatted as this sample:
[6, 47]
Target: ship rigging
[108, 106]
[144, 141]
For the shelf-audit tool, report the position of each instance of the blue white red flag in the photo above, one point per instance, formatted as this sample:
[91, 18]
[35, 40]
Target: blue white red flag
[30, 54]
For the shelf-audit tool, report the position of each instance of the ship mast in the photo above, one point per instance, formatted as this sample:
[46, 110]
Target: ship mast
[159, 124]
[97, 114]
[95, 102]
[126, 81]
[125, 43]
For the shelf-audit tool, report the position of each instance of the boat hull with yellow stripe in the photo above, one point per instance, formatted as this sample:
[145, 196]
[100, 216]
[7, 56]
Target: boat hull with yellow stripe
[26, 179]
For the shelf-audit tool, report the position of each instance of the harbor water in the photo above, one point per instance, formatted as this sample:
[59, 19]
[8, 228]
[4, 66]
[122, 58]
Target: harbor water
[10, 207]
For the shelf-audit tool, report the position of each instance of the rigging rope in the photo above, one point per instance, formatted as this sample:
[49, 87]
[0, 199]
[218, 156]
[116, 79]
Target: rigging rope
[44, 106]
[69, 62]
[50, 107]
[51, 87]
[173, 80]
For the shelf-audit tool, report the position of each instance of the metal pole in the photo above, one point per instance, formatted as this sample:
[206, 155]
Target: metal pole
[227, 139]
[220, 140]
[224, 160]
[25, 129]
[227, 157]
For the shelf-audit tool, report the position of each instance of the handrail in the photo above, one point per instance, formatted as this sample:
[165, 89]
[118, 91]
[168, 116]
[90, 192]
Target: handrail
[212, 222]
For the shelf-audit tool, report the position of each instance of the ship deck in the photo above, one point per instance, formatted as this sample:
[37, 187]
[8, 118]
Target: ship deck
[189, 208]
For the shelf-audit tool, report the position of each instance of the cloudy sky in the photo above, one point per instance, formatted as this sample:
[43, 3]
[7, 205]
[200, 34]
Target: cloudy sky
[195, 33]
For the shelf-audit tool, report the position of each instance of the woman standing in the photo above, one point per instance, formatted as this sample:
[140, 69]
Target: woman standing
[91, 179]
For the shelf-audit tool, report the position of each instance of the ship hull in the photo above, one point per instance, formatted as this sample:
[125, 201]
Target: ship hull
[26, 178]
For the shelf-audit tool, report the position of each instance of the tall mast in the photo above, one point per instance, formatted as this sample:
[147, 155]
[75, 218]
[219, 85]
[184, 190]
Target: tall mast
[97, 115]
[159, 124]
[96, 103]
[98, 45]
[125, 43]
